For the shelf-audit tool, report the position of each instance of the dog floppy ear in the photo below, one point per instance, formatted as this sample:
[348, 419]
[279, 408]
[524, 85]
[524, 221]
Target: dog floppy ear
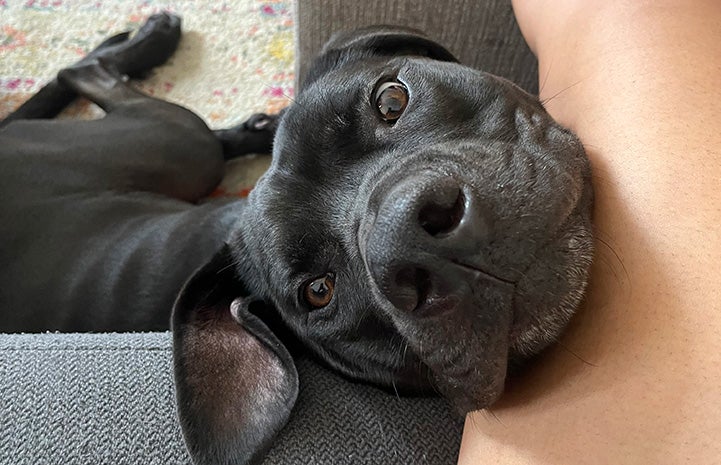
[349, 46]
[235, 382]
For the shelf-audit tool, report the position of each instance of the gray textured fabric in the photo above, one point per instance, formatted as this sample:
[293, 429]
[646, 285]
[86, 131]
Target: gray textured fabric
[480, 33]
[109, 399]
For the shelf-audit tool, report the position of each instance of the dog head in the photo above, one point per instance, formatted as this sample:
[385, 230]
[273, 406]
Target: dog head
[422, 225]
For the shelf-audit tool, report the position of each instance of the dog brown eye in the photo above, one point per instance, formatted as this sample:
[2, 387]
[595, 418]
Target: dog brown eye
[319, 292]
[391, 98]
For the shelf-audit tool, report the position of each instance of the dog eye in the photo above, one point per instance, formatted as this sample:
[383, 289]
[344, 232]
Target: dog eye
[319, 292]
[391, 99]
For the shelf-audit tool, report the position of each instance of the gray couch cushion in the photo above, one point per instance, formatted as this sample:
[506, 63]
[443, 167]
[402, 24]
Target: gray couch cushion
[482, 34]
[109, 399]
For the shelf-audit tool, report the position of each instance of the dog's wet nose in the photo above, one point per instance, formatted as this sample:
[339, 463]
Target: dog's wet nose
[443, 212]
[423, 225]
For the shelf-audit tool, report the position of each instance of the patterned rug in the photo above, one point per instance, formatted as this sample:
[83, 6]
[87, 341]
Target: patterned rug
[235, 57]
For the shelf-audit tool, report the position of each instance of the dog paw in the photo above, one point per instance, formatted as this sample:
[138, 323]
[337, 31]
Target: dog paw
[261, 122]
[135, 55]
[254, 135]
[112, 40]
[161, 27]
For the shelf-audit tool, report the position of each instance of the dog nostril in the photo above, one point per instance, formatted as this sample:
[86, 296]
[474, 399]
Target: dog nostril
[439, 219]
[415, 285]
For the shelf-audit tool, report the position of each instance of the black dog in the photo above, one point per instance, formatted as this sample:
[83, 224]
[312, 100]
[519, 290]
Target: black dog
[423, 225]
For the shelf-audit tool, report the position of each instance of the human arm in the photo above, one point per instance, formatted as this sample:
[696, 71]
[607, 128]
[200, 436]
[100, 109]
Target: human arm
[635, 378]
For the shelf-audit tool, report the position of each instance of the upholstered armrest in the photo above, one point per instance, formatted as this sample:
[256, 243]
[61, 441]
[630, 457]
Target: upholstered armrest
[109, 399]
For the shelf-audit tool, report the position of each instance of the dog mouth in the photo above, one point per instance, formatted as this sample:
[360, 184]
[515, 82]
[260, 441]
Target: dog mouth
[454, 309]
[436, 299]
[459, 327]
[448, 258]
[482, 273]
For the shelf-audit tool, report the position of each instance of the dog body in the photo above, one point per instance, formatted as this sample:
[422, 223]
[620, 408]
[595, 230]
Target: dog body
[83, 250]
[102, 221]
[422, 226]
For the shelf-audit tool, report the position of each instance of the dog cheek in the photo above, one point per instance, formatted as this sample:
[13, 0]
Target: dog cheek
[550, 291]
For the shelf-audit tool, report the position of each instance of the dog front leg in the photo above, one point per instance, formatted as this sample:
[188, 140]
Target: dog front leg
[254, 135]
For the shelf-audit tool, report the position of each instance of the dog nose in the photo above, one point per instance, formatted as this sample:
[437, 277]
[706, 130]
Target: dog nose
[423, 224]
[443, 212]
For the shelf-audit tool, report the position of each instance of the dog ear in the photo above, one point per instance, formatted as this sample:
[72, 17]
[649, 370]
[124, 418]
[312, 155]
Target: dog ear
[235, 382]
[349, 46]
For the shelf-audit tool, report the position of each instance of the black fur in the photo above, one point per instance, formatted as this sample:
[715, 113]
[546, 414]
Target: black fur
[458, 235]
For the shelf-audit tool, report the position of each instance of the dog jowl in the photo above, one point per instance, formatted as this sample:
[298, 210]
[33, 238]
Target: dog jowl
[423, 225]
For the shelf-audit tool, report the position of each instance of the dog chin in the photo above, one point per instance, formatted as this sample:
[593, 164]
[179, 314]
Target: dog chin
[478, 399]
[470, 372]
[474, 388]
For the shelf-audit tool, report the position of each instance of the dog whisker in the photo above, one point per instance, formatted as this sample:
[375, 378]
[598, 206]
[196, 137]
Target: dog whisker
[599, 174]
[546, 100]
[567, 349]
[605, 180]
[284, 94]
[395, 389]
[612, 259]
[493, 414]
[432, 384]
[226, 267]
[472, 416]
[548, 72]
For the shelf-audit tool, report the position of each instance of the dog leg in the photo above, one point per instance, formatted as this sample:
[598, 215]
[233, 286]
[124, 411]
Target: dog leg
[254, 135]
[148, 144]
[154, 43]
[102, 84]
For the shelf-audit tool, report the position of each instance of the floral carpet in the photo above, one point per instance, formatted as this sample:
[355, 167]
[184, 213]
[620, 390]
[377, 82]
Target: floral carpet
[235, 57]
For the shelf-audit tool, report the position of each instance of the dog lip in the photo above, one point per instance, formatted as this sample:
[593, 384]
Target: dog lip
[439, 304]
[478, 270]
[436, 306]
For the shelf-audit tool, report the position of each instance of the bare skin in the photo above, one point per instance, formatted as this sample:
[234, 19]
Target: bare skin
[637, 377]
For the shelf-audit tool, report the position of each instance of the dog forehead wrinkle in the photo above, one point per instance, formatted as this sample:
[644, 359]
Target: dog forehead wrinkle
[319, 157]
[334, 94]
[451, 79]
[313, 212]
[483, 103]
